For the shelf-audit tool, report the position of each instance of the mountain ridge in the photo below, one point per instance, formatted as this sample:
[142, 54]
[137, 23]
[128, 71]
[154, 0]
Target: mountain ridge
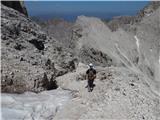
[47, 65]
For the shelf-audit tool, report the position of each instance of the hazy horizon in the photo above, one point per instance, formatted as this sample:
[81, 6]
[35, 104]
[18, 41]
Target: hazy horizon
[70, 10]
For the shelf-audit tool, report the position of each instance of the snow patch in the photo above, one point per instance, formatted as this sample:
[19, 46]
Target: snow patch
[137, 42]
[33, 106]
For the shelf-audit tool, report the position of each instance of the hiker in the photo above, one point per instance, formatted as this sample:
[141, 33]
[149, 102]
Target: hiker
[91, 75]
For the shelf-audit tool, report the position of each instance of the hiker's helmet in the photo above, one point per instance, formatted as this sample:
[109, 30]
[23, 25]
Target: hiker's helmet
[90, 65]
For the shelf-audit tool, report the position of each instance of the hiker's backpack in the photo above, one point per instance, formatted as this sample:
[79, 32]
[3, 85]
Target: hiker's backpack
[91, 74]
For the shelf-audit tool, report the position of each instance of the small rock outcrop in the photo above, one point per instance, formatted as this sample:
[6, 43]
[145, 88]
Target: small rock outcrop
[126, 22]
[17, 5]
[149, 9]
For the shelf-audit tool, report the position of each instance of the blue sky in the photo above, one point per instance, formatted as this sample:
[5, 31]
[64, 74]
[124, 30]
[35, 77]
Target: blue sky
[41, 8]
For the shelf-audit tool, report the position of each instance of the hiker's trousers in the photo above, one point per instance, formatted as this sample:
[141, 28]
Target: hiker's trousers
[90, 83]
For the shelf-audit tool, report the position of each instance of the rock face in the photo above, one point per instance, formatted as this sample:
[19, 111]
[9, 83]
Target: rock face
[61, 30]
[17, 5]
[28, 55]
[135, 50]
[67, 34]
[121, 21]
